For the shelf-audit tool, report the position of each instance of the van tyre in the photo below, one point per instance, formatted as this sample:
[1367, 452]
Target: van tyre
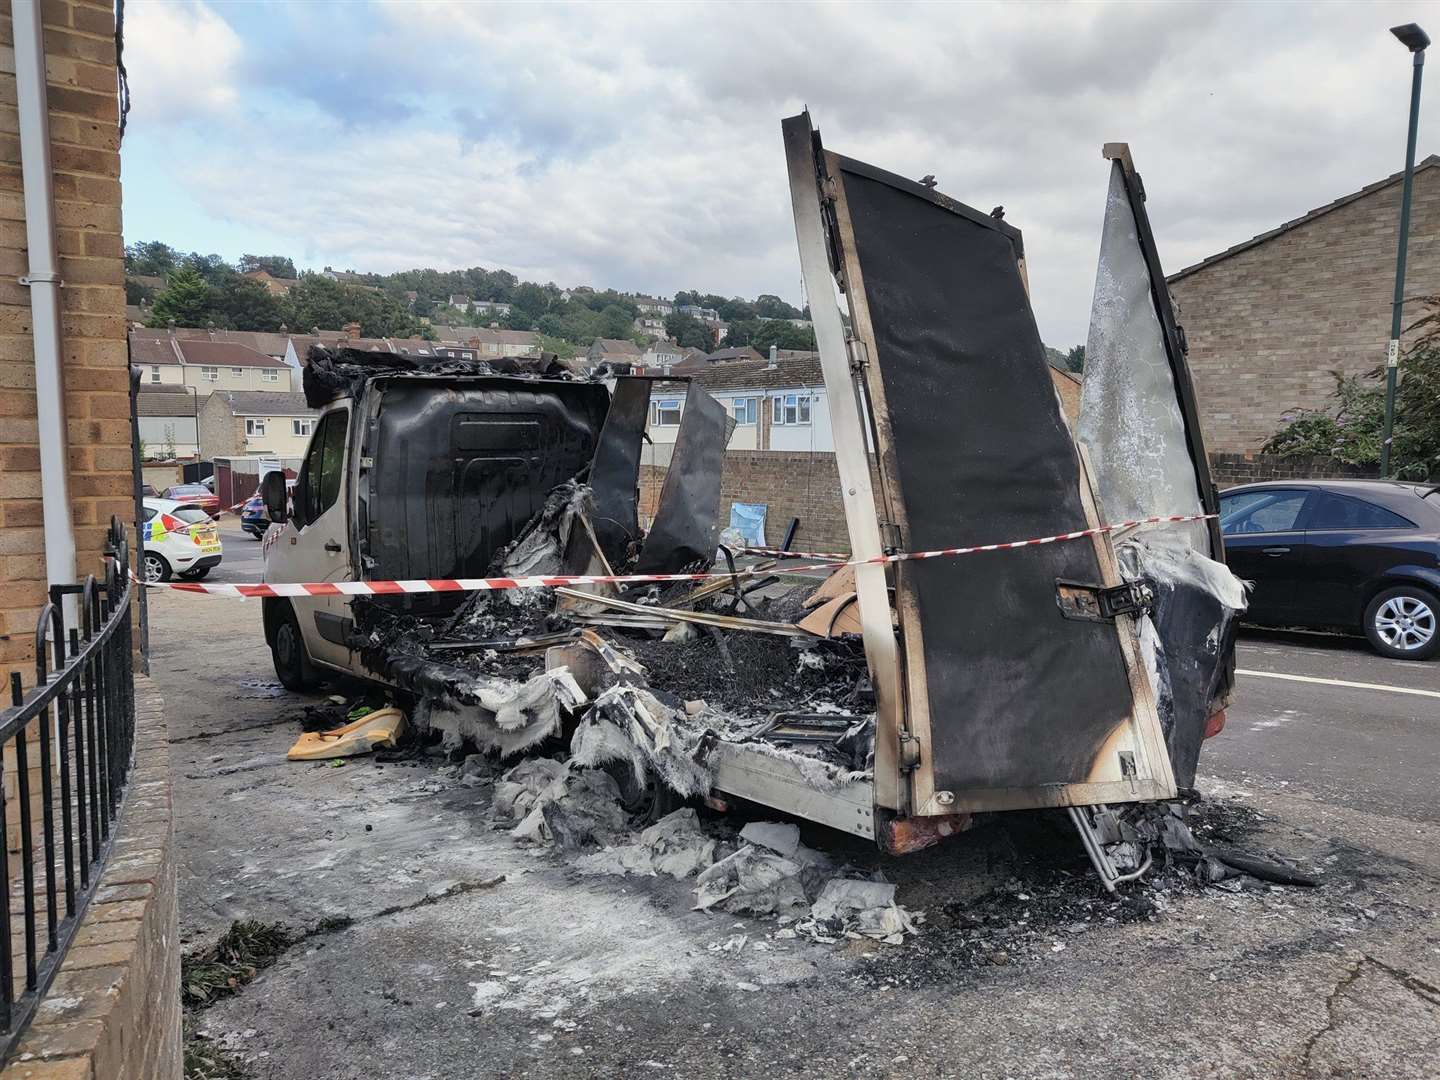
[154, 567]
[287, 649]
[1403, 623]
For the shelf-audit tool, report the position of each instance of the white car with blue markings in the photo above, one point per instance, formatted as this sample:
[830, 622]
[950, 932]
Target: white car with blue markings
[180, 540]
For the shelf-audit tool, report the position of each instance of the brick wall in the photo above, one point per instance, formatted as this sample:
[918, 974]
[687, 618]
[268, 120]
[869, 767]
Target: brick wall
[1232, 469]
[1267, 324]
[80, 48]
[113, 1010]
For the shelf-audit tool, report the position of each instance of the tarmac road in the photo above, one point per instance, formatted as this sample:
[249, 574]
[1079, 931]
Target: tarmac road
[1373, 747]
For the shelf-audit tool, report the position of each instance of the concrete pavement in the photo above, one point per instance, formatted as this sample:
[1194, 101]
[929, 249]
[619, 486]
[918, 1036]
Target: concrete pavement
[617, 977]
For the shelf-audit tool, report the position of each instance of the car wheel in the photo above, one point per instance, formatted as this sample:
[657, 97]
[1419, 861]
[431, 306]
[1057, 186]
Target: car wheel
[154, 567]
[196, 574]
[1403, 623]
[292, 662]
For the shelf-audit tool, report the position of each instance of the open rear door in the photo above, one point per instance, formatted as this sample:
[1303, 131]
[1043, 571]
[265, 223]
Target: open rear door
[1014, 694]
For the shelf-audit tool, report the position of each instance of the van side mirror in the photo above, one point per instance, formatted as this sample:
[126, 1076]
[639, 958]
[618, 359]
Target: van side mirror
[272, 494]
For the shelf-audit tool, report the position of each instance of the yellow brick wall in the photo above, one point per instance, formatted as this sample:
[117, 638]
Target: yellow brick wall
[84, 127]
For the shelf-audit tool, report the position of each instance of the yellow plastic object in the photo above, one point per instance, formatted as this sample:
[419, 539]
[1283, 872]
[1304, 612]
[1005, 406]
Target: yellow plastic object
[380, 728]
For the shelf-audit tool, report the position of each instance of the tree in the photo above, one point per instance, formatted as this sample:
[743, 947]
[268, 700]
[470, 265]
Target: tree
[1075, 359]
[689, 332]
[1350, 427]
[150, 258]
[185, 300]
[242, 304]
[278, 266]
[782, 335]
[772, 307]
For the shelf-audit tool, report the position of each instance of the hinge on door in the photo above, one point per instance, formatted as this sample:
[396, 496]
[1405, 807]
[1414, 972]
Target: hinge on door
[859, 356]
[1128, 770]
[889, 537]
[909, 752]
[1095, 603]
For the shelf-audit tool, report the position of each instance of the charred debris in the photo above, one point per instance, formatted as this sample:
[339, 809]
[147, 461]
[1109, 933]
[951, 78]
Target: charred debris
[895, 702]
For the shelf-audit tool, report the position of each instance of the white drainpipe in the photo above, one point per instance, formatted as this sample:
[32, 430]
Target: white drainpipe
[44, 282]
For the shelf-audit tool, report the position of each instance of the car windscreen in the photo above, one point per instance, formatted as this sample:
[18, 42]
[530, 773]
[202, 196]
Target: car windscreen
[192, 490]
[191, 515]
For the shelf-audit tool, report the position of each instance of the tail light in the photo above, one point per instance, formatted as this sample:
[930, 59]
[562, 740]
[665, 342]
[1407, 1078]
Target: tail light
[173, 524]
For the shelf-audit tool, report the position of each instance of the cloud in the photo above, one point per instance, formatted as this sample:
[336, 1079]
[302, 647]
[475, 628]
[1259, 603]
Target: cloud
[637, 145]
[181, 58]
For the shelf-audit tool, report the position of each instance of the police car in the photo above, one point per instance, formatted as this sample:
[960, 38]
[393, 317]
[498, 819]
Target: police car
[180, 539]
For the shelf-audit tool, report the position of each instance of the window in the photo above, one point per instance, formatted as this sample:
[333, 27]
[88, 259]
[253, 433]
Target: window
[237, 372]
[745, 410]
[1267, 511]
[319, 484]
[154, 374]
[667, 412]
[210, 374]
[302, 427]
[791, 409]
[1340, 512]
[254, 428]
[270, 375]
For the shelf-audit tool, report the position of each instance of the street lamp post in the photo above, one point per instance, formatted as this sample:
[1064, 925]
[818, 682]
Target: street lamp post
[1413, 38]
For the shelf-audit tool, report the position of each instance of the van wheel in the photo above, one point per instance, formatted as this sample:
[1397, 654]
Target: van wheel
[292, 662]
[1403, 623]
[154, 567]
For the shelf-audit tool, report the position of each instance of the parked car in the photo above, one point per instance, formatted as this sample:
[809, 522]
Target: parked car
[1341, 554]
[180, 538]
[253, 518]
[194, 495]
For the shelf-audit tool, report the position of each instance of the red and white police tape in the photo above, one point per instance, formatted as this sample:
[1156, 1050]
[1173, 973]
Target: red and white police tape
[390, 588]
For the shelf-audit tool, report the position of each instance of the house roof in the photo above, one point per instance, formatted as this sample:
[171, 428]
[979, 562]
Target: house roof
[213, 348]
[263, 403]
[617, 346]
[740, 352]
[167, 400]
[1370, 189]
[756, 375]
[461, 335]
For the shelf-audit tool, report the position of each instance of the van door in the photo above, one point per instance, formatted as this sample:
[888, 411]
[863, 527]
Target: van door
[316, 546]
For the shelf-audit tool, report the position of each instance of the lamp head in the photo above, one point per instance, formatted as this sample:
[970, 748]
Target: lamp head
[1411, 36]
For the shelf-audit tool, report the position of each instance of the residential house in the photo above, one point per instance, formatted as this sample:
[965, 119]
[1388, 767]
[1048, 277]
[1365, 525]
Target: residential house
[168, 417]
[695, 311]
[489, 307]
[344, 277]
[728, 356]
[650, 305]
[482, 342]
[651, 325]
[1268, 319]
[459, 301]
[238, 423]
[778, 404]
[613, 351]
[275, 286]
[660, 356]
[205, 364]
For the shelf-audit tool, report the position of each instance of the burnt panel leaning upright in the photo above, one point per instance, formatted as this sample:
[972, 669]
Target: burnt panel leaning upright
[1012, 702]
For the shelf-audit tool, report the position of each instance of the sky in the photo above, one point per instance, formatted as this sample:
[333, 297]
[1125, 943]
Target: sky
[637, 146]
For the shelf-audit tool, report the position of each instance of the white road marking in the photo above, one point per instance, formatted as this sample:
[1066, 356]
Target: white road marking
[1339, 682]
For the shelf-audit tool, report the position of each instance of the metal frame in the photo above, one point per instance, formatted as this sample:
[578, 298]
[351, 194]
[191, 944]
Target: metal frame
[87, 707]
[824, 216]
[1175, 345]
[802, 143]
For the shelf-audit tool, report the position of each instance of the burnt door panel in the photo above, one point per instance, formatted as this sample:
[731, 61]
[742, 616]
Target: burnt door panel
[1020, 701]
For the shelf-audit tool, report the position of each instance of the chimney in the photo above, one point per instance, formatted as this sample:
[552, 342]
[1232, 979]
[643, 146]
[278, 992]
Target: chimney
[774, 356]
[352, 330]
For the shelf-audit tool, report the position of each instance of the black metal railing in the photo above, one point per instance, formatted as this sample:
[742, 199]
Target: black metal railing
[79, 718]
